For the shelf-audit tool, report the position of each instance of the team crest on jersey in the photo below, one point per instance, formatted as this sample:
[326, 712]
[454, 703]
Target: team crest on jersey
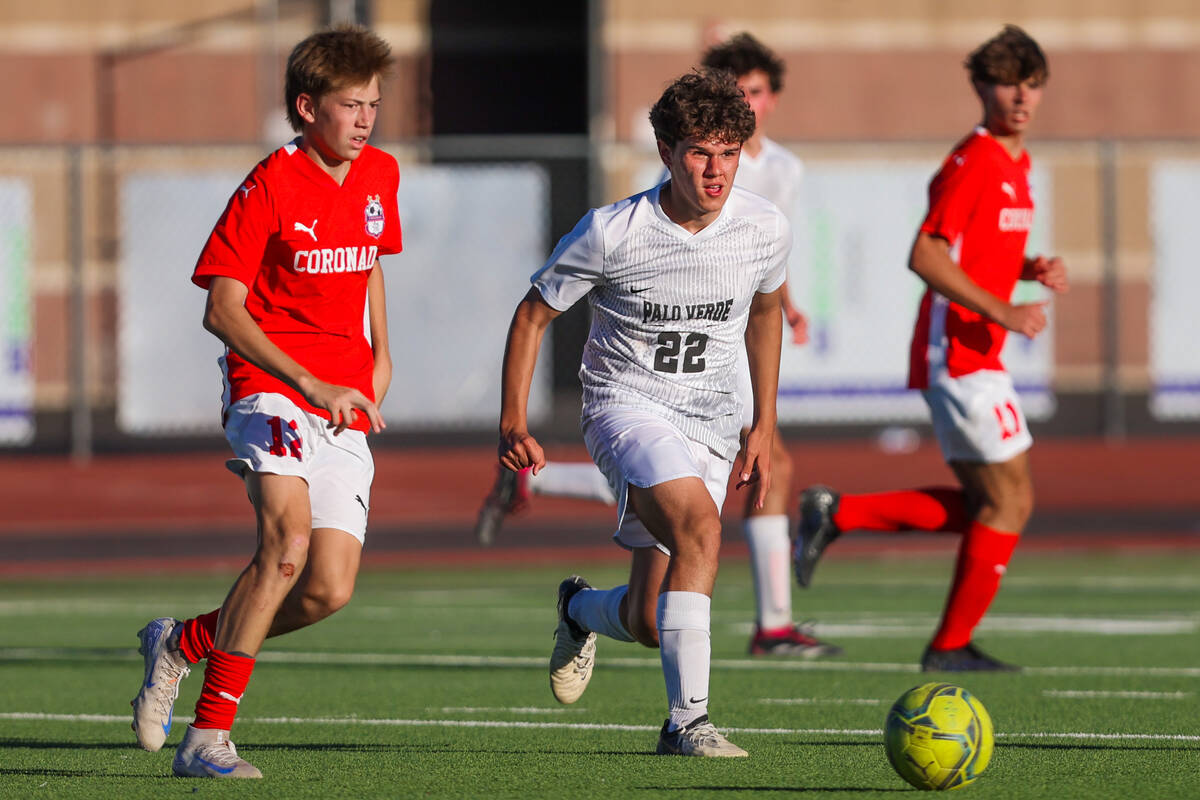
[374, 216]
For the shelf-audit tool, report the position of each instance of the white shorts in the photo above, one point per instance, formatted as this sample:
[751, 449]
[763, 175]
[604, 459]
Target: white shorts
[270, 433]
[977, 417]
[641, 448]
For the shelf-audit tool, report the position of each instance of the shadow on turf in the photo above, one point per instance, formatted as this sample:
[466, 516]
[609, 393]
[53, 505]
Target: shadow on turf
[72, 773]
[792, 789]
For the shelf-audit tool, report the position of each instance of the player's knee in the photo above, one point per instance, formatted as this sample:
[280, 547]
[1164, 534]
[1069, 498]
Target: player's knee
[700, 539]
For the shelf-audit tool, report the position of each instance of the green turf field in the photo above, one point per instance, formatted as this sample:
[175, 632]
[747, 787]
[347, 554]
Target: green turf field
[433, 684]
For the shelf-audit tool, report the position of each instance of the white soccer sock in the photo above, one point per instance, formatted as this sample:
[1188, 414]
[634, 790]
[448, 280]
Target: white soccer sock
[686, 650]
[580, 480]
[599, 610]
[770, 561]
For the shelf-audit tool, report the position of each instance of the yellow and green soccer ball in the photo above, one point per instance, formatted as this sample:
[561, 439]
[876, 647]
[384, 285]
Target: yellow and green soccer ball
[938, 736]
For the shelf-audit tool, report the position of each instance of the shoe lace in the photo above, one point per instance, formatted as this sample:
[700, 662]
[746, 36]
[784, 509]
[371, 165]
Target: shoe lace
[704, 734]
[172, 670]
[222, 753]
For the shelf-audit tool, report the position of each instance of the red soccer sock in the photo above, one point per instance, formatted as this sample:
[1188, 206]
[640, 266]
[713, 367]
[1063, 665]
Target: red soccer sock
[932, 509]
[196, 636]
[982, 559]
[225, 679]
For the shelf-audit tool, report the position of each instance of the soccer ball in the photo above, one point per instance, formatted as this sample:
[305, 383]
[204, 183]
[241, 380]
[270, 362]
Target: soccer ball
[938, 736]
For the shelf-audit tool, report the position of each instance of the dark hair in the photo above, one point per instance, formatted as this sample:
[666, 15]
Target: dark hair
[347, 55]
[1009, 57]
[741, 54]
[706, 105]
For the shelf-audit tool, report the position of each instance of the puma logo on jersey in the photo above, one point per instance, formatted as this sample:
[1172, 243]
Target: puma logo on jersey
[1008, 189]
[309, 229]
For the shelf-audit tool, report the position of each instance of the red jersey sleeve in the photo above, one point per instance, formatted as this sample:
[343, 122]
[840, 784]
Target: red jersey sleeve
[236, 245]
[392, 240]
[953, 194]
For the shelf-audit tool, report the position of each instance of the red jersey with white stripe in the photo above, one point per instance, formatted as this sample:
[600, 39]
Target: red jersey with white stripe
[304, 247]
[980, 203]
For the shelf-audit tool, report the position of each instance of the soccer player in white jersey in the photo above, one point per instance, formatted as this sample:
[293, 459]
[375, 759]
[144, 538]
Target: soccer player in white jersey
[771, 170]
[679, 279]
[970, 251]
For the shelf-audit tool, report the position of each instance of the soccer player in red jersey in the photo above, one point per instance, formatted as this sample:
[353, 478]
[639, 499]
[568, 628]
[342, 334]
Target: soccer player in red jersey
[288, 269]
[970, 251]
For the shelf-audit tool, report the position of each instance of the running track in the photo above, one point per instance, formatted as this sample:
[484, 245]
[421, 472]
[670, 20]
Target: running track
[185, 511]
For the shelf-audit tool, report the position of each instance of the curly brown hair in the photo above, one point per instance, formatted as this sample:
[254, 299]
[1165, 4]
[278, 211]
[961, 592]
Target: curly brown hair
[705, 105]
[346, 55]
[1010, 57]
[741, 54]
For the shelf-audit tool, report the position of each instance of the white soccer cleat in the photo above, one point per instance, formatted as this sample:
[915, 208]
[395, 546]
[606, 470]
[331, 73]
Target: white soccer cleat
[208, 753]
[574, 653]
[154, 705]
[699, 738]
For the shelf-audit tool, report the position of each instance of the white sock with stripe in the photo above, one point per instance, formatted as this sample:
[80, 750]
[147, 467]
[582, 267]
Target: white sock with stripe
[770, 561]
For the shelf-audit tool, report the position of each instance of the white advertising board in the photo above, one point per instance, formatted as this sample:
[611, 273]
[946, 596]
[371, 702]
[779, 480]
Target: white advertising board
[472, 237]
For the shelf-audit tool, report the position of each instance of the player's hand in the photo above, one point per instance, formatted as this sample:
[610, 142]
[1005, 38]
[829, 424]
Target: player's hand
[798, 323]
[343, 403]
[754, 466]
[1028, 319]
[518, 450]
[1050, 272]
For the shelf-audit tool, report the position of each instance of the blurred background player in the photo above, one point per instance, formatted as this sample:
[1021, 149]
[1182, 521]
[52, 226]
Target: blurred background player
[970, 251]
[679, 279]
[288, 269]
[771, 170]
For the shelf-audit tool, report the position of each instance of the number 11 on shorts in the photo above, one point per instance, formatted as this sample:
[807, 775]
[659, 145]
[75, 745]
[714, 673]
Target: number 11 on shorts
[293, 444]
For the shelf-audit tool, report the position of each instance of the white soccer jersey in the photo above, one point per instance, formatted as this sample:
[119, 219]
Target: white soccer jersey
[775, 174]
[669, 307]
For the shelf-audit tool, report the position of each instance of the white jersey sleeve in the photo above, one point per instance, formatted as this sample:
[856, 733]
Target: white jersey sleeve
[575, 267]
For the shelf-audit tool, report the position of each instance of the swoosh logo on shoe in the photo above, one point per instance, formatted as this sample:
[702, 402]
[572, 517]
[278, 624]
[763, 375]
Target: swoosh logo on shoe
[215, 767]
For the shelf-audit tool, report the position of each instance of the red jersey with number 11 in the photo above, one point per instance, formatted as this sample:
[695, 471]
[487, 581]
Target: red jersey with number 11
[304, 247]
[980, 203]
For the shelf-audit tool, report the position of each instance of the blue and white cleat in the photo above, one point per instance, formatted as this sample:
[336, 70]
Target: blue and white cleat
[208, 753]
[165, 668]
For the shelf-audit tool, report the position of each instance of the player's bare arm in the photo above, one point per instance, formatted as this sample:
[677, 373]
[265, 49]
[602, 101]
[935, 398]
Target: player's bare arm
[226, 317]
[764, 336]
[518, 448]
[1050, 272]
[930, 260]
[381, 378]
[794, 316]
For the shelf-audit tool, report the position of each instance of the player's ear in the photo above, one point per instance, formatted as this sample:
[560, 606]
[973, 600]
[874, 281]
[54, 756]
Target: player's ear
[664, 152]
[306, 105]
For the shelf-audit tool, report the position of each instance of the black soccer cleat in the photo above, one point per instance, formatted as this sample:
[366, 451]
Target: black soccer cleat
[818, 504]
[968, 658]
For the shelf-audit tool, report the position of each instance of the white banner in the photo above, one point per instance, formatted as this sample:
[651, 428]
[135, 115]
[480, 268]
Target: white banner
[472, 237]
[1175, 290]
[16, 313]
[853, 233]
